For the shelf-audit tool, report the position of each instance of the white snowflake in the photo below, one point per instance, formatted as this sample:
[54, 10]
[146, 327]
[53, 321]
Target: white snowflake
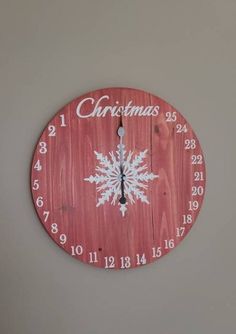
[108, 177]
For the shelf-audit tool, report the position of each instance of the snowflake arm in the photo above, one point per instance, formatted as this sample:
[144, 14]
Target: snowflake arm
[138, 159]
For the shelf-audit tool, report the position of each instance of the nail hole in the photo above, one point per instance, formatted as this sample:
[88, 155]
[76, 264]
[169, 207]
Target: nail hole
[156, 128]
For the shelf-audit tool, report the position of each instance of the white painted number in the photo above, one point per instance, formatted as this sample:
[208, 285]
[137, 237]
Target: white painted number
[39, 201]
[63, 123]
[109, 262]
[36, 185]
[181, 128]
[156, 252]
[54, 228]
[180, 231]
[169, 243]
[76, 250]
[93, 257]
[125, 262]
[197, 160]
[187, 219]
[63, 239]
[38, 166]
[190, 144]
[52, 131]
[171, 116]
[43, 147]
[193, 205]
[141, 259]
[197, 191]
[46, 215]
[198, 176]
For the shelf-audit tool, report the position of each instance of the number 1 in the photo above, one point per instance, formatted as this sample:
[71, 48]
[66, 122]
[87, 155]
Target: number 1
[63, 122]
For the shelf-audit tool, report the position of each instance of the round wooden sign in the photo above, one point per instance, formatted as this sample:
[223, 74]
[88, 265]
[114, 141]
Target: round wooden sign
[118, 178]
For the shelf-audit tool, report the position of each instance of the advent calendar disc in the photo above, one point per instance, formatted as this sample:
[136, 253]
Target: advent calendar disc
[118, 178]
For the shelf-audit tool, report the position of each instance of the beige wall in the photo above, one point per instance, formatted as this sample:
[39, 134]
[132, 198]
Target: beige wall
[52, 51]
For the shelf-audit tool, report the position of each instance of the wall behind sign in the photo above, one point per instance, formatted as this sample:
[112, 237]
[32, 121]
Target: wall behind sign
[52, 51]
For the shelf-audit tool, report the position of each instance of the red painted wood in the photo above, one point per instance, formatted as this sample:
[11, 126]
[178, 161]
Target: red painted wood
[60, 189]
